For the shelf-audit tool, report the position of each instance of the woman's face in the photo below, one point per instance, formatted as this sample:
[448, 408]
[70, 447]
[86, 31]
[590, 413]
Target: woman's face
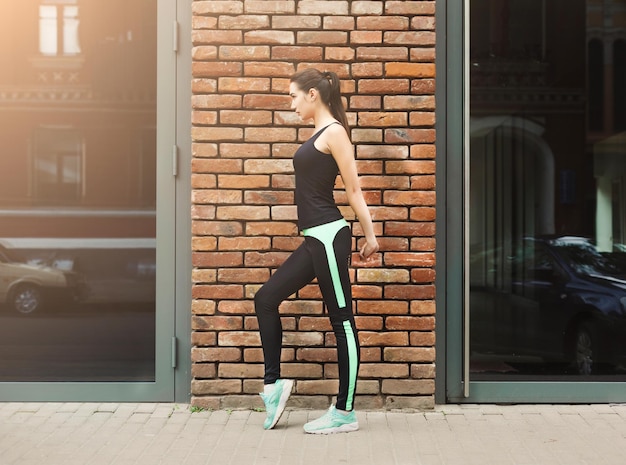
[302, 102]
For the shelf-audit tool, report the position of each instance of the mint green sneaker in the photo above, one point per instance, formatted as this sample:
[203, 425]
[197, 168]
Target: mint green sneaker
[276, 401]
[333, 422]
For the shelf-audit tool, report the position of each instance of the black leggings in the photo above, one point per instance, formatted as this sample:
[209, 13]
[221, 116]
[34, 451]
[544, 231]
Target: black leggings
[324, 255]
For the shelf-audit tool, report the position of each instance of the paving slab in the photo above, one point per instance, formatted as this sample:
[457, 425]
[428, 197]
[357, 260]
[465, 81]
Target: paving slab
[152, 434]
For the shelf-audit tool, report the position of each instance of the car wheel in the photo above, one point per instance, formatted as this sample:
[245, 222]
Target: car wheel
[585, 350]
[27, 299]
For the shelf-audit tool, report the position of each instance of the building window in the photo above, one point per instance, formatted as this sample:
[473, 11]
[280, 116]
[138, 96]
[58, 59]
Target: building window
[58, 29]
[58, 167]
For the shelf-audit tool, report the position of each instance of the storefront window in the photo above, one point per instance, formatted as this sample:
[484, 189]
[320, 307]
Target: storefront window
[547, 190]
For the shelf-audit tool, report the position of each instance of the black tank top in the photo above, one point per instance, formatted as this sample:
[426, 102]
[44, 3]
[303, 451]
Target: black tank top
[316, 173]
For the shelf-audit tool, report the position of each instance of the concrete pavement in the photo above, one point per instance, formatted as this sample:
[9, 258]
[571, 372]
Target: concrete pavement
[150, 434]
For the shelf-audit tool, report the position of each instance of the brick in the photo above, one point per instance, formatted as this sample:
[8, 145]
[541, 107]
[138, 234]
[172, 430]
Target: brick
[217, 291]
[422, 339]
[217, 386]
[383, 86]
[203, 370]
[386, 370]
[366, 37]
[215, 101]
[423, 371]
[245, 150]
[408, 386]
[383, 339]
[202, 69]
[269, 166]
[409, 292]
[409, 136]
[212, 354]
[213, 196]
[236, 307]
[410, 167]
[271, 102]
[244, 243]
[243, 275]
[410, 323]
[317, 355]
[271, 229]
[217, 259]
[211, 7]
[240, 370]
[383, 276]
[339, 53]
[324, 7]
[371, 323]
[297, 22]
[213, 134]
[301, 370]
[361, 8]
[321, 37]
[385, 23]
[203, 86]
[269, 134]
[245, 117]
[409, 102]
[215, 37]
[203, 243]
[244, 52]
[203, 276]
[203, 307]
[366, 292]
[382, 53]
[423, 307]
[269, 69]
[203, 53]
[243, 181]
[327, 386]
[261, 259]
[410, 7]
[382, 307]
[216, 228]
[382, 118]
[216, 166]
[302, 338]
[421, 275]
[368, 70]
[422, 244]
[243, 22]
[239, 339]
[345, 23]
[304, 53]
[243, 213]
[270, 6]
[413, 38]
[269, 37]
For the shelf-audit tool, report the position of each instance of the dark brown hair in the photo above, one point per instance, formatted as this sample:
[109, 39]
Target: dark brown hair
[328, 85]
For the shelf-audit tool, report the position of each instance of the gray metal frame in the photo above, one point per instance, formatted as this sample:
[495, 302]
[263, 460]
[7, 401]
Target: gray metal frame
[452, 166]
[173, 322]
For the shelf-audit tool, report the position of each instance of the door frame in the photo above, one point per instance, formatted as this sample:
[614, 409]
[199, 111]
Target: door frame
[452, 167]
[173, 250]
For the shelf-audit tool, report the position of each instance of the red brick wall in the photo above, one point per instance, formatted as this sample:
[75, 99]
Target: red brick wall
[244, 136]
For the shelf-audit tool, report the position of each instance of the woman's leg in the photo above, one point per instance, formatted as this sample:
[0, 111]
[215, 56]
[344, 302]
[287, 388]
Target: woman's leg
[331, 250]
[294, 273]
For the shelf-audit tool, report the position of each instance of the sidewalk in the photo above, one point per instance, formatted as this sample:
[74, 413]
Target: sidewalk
[150, 434]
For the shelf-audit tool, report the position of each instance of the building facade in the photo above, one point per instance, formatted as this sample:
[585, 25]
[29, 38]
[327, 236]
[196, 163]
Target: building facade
[147, 193]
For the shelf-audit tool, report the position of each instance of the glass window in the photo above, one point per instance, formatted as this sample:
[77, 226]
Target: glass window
[547, 190]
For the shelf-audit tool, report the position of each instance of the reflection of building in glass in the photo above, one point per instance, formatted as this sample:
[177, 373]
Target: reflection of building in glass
[77, 119]
[77, 131]
[545, 102]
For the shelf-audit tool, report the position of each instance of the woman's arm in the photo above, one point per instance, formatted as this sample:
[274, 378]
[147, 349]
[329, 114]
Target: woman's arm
[342, 151]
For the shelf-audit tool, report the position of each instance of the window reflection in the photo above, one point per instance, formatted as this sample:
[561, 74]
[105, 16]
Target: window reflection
[547, 197]
[77, 190]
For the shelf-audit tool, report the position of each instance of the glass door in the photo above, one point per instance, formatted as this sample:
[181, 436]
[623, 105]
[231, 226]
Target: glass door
[545, 204]
[80, 314]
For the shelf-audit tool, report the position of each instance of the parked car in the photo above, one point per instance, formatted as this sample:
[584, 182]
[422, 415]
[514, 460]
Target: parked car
[27, 288]
[557, 298]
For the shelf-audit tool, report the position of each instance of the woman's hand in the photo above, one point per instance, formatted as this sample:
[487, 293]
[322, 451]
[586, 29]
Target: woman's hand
[370, 247]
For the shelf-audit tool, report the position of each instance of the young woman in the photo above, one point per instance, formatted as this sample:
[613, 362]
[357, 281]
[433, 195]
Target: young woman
[325, 252]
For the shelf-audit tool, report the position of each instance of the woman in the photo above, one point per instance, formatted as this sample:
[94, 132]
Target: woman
[325, 252]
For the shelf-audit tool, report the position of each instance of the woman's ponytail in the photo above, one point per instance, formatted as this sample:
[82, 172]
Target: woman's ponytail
[329, 87]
